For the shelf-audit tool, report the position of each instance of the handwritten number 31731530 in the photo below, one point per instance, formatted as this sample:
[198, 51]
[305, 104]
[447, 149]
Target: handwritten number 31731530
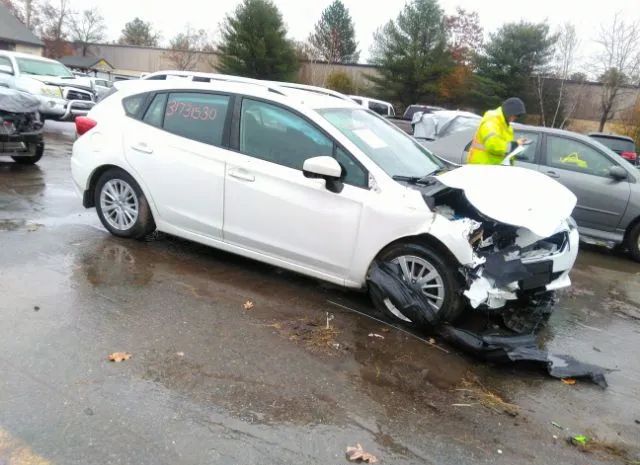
[189, 111]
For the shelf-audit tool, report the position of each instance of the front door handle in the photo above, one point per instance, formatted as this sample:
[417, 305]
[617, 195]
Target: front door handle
[142, 147]
[552, 174]
[241, 174]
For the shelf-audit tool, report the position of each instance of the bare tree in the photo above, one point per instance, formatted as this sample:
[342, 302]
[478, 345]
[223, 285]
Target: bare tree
[185, 47]
[618, 64]
[566, 48]
[55, 25]
[88, 27]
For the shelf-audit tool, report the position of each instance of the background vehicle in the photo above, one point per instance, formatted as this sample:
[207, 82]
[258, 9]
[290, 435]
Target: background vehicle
[62, 95]
[379, 106]
[102, 87]
[606, 185]
[413, 109]
[622, 145]
[314, 183]
[20, 127]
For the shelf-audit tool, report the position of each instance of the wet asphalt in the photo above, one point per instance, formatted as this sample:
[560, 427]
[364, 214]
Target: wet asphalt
[210, 382]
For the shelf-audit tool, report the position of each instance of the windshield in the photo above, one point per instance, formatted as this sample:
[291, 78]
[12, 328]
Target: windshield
[42, 68]
[391, 149]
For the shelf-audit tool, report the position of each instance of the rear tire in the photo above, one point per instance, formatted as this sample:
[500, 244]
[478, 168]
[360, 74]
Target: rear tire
[122, 207]
[443, 289]
[31, 160]
[633, 242]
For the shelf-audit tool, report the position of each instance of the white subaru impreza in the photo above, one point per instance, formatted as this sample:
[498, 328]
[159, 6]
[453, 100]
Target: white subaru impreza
[308, 180]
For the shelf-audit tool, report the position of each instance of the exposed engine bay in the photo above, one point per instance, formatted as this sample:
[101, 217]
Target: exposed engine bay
[510, 262]
[20, 124]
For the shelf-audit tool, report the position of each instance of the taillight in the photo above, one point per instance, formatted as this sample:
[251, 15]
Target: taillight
[631, 156]
[84, 124]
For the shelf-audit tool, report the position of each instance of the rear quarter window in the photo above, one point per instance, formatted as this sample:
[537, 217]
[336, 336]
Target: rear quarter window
[133, 104]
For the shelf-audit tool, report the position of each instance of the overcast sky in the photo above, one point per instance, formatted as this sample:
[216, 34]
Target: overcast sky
[300, 15]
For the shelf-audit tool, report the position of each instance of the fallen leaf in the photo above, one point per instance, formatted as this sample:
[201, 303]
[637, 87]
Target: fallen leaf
[180, 354]
[379, 336]
[357, 454]
[248, 305]
[119, 356]
[569, 381]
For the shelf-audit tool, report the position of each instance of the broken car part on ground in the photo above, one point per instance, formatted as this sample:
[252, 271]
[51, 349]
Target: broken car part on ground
[510, 259]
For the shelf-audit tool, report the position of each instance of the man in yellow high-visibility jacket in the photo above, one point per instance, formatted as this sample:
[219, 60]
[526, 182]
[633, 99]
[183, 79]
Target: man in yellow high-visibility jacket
[494, 138]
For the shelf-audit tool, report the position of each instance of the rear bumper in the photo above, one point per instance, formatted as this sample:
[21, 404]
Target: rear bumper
[22, 144]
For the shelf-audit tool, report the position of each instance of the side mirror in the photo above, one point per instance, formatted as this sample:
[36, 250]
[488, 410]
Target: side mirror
[326, 168]
[618, 173]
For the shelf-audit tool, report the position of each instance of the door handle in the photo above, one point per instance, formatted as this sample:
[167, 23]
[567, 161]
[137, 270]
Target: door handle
[142, 147]
[552, 174]
[243, 175]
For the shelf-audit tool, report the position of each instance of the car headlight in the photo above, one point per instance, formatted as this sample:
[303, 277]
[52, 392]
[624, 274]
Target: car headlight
[51, 91]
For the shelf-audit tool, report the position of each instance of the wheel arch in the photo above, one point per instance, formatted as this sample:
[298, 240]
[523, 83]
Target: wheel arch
[88, 199]
[424, 239]
[629, 228]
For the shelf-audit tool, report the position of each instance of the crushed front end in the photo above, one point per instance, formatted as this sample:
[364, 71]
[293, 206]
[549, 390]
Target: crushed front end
[509, 263]
[20, 124]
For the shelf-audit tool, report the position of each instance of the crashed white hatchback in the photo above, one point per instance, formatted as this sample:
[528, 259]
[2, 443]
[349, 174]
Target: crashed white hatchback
[305, 179]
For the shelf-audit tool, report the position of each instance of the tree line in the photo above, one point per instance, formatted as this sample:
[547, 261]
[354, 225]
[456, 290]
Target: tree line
[422, 56]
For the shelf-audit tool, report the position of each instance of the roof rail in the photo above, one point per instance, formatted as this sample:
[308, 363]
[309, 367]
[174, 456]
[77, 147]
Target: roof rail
[272, 86]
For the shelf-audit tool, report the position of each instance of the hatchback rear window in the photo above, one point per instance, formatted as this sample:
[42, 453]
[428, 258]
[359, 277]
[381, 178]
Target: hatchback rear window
[615, 144]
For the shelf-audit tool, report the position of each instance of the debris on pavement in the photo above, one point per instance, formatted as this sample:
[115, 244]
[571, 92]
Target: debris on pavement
[579, 440]
[36, 308]
[474, 390]
[568, 381]
[119, 356]
[379, 336]
[521, 348]
[557, 425]
[357, 454]
[248, 305]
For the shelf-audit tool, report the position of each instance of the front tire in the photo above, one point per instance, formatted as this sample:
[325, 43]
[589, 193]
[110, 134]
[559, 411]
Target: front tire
[429, 272]
[122, 207]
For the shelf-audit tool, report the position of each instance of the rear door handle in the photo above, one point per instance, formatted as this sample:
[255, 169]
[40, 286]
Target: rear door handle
[241, 174]
[552, 174]
[142, 147]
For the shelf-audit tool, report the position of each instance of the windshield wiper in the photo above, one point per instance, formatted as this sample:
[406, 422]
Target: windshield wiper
[419, 179]
[409, 179]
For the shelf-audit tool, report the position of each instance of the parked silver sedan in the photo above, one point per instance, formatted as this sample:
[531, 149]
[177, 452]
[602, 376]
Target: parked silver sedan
[607, 186]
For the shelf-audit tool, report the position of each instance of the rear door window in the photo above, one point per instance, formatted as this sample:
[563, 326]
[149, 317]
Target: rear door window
[155, 113]
[196, 116]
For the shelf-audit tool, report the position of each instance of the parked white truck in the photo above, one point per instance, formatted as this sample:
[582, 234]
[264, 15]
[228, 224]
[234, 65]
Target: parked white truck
[62, 95]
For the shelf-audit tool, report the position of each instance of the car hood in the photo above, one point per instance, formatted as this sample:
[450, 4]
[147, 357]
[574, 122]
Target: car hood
[64, 82]
[512, 195]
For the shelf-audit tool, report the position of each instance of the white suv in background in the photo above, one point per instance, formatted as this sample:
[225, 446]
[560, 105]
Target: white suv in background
[62, 95]
[319, 185]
